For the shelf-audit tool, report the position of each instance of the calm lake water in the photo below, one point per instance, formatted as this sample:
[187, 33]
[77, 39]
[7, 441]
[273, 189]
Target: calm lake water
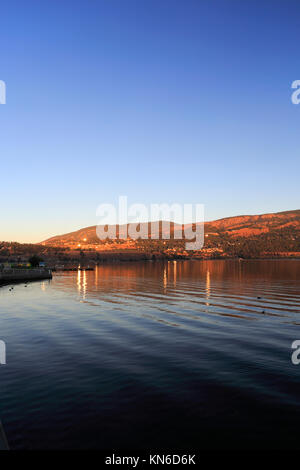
[170, 355]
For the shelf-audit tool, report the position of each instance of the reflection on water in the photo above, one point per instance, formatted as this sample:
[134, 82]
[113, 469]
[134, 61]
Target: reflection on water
[182, 354]
[207, 286]
[247, 287]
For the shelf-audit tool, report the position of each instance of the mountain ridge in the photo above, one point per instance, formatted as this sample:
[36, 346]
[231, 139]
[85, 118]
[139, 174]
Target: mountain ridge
[271, 235]
[238, 226]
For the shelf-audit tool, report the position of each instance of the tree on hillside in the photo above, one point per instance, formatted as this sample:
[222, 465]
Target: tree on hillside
[35, 261]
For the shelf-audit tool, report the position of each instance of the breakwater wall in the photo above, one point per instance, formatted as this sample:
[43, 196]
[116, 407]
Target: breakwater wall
[14, 275]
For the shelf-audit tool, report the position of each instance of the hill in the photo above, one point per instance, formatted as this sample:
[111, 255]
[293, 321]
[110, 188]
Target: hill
[248, 236]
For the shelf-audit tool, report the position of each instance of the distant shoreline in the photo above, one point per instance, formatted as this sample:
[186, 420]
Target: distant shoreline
[266, 236]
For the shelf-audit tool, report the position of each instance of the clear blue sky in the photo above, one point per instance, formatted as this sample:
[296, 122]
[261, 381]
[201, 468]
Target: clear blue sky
[160, 100]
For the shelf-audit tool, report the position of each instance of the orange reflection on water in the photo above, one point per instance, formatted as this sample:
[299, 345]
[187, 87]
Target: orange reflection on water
[207, 286]
[205, 279]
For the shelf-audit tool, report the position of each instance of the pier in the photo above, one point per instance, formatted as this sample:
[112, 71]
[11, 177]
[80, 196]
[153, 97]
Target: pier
[8, 275]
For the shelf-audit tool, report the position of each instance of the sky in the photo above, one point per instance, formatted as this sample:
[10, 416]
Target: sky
[173, 101]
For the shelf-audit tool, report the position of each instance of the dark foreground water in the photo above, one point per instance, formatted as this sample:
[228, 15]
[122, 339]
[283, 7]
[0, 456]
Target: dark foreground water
[172, 355]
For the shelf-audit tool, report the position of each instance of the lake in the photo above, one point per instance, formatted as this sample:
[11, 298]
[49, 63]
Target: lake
[153, 355]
